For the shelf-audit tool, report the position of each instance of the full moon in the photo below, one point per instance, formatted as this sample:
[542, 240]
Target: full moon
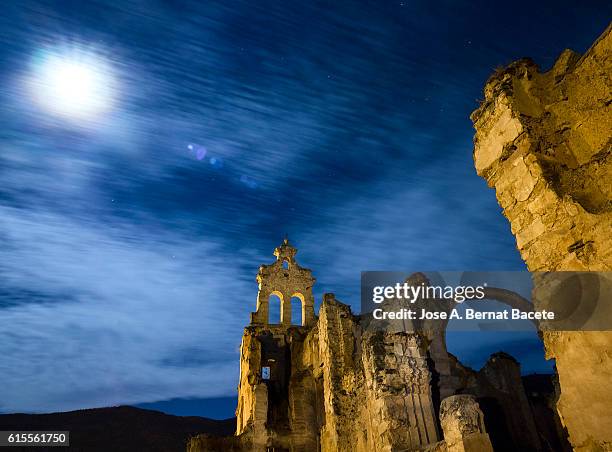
[76, 85]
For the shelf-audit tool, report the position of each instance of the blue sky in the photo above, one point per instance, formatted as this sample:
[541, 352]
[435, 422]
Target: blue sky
[130, 241]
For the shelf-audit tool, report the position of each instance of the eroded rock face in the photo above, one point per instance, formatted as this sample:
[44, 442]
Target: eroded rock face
[544, 142]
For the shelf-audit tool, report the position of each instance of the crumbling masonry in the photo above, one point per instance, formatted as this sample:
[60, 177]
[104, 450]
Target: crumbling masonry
[543, 141]
[332, 384]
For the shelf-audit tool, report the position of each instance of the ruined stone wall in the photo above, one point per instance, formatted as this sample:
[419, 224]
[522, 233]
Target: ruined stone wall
[499, 390]
[463, 424]
[378, 386]
[346, 391]
[342, 383]
[341, 377]
[341, 390]
[252, 409]
[284, 279]
[499, 386]
[338, 386]
[399, 385]
[543, 141]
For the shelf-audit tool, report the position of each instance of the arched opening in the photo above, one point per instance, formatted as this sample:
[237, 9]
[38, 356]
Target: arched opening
[296, 310]
[274, 309]
[473, 343]
[297, 303]
[286, 265]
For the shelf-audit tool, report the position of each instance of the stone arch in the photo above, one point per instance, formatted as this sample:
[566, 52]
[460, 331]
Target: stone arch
[275, 308]
[437, 332]
[504, 296]
[297, 307]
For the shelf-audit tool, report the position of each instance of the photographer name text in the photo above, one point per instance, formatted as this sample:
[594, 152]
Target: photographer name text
[469, 314]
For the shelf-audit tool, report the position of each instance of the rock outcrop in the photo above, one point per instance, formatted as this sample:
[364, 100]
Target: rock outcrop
[543, 141]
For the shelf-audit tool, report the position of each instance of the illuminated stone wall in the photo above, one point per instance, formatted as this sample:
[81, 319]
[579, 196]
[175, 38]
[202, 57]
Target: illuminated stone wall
[333, 384]
[543, 141]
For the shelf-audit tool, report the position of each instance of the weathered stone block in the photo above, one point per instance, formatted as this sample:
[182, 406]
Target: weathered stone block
[463, 425]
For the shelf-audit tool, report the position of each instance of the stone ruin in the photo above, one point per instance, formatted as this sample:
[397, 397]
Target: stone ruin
[332, 384]
[463, 424]
[543, 141]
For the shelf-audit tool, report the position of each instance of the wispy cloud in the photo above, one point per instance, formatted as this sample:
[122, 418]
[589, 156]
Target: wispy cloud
[134, 318]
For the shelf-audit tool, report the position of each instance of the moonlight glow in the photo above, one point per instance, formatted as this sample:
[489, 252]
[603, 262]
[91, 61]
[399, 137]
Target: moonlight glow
[76, 85]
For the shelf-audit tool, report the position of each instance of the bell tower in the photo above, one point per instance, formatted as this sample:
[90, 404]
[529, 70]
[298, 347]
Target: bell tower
[285, 279]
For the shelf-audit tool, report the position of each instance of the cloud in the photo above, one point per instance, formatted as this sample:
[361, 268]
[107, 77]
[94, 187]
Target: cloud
[135, 318]
[410, 223]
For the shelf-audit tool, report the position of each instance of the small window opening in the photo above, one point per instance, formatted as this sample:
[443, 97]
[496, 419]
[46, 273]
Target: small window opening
[265, 373]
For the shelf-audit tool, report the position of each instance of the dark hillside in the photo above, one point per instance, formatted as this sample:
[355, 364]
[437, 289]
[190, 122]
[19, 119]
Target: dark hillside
[118, 429]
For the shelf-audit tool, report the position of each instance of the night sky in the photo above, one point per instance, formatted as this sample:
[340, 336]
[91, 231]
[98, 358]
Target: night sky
[131, 228]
